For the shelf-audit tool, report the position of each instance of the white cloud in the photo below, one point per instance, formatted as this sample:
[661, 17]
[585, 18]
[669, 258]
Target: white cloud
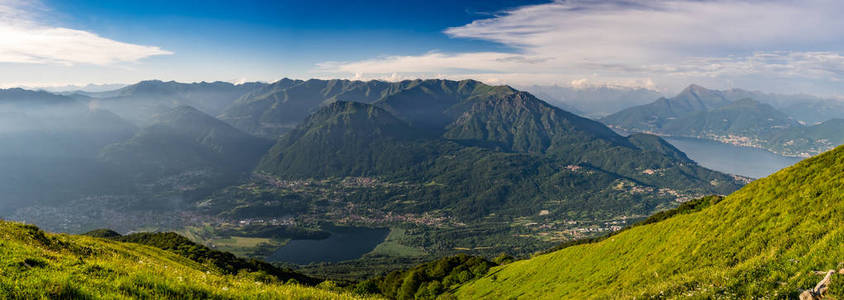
[24, 40]
[631, 41]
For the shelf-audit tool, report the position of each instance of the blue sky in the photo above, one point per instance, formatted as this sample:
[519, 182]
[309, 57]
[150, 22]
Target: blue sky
[779, 46]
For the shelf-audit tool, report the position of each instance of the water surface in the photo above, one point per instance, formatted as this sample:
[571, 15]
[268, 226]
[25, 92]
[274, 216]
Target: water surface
[345, 243]
[745, 161]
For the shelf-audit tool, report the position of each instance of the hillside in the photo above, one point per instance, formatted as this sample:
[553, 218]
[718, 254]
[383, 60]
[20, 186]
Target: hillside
[808, 140]
[40, 265]
[765, 240]
[225, 262]
[342, 138]
[188, 151]
[193, 140]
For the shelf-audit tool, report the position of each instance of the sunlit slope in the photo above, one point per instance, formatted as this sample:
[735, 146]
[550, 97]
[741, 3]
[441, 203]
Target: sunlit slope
[37, 265]
[763, 240]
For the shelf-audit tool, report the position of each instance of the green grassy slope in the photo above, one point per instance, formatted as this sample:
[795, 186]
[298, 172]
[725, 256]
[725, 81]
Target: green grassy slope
[38, 265]
[764, 240]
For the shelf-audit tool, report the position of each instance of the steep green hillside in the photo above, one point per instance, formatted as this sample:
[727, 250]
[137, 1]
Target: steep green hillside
[344, 138]
[428, 280]
[226, 262]
[39, 265]
[765, 240]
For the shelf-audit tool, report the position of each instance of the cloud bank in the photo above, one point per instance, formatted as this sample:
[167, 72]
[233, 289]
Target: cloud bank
[24, 40]
[672, 42]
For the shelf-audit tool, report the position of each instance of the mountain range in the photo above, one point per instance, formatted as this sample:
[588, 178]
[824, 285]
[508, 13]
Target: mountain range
[710, 114]
[141, 101]
[488, 148]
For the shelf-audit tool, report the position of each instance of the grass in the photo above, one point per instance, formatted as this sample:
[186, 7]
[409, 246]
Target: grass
[763, 241]
[393, 247]
[56, 266]
[242, 246]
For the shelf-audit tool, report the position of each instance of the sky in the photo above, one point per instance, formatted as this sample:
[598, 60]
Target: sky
[782, 46]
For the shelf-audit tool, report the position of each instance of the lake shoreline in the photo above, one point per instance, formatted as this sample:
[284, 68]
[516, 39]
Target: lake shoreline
[728, 158]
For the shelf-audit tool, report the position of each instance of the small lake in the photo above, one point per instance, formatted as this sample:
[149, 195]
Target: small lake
[345, 243]
[745, 161]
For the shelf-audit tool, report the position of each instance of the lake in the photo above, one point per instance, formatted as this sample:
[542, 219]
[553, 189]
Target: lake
[345, 243]
[745, 161]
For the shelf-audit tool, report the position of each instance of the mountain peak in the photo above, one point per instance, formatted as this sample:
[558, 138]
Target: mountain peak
[698, 90]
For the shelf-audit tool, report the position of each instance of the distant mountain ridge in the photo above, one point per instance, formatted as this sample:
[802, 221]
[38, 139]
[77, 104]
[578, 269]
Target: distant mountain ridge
[280, 106]
[592, 101]
[709, 114]
[141, 101]
[21, 97]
